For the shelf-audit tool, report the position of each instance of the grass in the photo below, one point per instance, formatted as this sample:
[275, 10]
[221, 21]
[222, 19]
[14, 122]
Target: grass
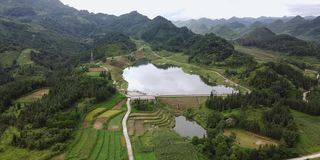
[25, 57]
[309, 132]
[260, 55]
[91, 115]
[93, 74]
[116, 120]
[7, 58]
[35, 95]
[179, 104]
[248, 139]
[169, 145]
[112, 101]
[109, 113]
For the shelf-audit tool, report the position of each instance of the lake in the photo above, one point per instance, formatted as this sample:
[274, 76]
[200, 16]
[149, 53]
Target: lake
[168, 80]
[187, 128]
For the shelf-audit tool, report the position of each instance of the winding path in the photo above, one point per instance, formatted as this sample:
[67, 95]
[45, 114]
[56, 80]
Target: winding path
[312, 156]
[125, 131]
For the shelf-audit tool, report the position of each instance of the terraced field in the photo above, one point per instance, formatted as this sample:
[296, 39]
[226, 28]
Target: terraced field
[140, 122]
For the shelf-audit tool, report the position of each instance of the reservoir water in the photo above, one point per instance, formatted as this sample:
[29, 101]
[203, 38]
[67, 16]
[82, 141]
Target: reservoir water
[187, 128]
[168, 80]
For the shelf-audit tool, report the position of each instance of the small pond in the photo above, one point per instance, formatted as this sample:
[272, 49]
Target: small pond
[187, 128]
[168, 80]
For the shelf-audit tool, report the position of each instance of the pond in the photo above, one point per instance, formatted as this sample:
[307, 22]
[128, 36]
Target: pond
[187, 128]
[168, 80]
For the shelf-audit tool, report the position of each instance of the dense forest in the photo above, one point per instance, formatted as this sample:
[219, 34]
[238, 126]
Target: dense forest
[51, 120]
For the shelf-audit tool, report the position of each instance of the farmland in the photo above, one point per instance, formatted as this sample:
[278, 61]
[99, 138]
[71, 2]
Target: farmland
[35, 95]
[248, 139]
[98, 142]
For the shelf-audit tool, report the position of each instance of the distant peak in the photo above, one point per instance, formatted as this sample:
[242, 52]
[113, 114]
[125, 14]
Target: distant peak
[297, 19]
[134, 12]
[160, 19]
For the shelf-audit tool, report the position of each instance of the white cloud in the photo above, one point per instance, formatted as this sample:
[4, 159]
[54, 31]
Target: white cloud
[182, 9]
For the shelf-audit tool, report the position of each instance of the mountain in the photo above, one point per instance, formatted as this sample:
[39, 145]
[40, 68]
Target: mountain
[265, 38]
[306, 28]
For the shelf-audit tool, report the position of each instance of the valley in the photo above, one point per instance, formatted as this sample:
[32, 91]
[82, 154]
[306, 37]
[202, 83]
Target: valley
[82, 85]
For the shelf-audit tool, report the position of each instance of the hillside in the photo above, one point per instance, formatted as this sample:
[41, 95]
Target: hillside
[265, 38]
[305, 28]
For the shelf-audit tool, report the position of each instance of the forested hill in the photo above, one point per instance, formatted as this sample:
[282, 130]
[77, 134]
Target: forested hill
[265, 38]
[52, 22]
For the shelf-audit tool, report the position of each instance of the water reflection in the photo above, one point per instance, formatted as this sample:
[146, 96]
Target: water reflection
[167, 80]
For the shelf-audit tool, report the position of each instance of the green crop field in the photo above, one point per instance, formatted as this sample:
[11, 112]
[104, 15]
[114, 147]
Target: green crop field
[116, 120]
[309, 129]
[93, 74]
[95, 144]
[91, 115]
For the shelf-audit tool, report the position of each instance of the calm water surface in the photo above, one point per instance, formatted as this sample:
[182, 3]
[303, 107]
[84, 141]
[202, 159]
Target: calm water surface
[187, 128]
[167, 80]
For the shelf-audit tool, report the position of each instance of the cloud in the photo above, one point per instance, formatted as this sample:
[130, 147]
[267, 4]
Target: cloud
[176, 15]
[304, 10]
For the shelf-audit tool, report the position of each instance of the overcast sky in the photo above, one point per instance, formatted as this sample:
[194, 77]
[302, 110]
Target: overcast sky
[187, 9]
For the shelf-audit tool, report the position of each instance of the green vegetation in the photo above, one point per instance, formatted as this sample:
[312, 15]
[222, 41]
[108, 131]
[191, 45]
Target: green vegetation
[309, 132]
[109, 114]
[249, 140]
[8, 59]
[164, 144]
[96, 144]
[112, 44]
[108, 104]
[93, 74]
[94, 113]
[25, 57]
[265, 38]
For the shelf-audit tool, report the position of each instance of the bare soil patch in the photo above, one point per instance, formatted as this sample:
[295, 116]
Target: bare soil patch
[120, 62]
[58, 157]
[98, 123]
[139, 128]
[179, 104]
[98, 69]
[114, 127]
[131, 127]
[85, 124]
[119, 105]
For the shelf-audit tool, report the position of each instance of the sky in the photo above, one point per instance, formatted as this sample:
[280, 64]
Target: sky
[193, 9]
